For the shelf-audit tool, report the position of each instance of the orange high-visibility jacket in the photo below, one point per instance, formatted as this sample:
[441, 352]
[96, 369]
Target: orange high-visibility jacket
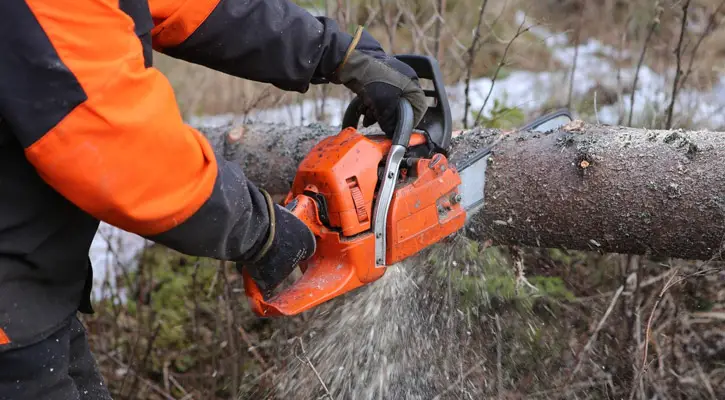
[90, 131]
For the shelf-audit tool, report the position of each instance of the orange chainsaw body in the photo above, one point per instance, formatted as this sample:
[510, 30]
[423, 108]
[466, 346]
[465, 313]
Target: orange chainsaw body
[334, 193]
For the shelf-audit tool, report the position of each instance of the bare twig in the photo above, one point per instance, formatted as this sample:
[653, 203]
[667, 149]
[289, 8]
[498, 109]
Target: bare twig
[589, 383]
[638, 335]
[454, 59]
[576, 56]
[517, 256]
[166, 375]
[635, 322]
[215, 278]
[252, 349]
[391, 25]
[178, 386]
[469, 64]
[620, 87]
[499, 352]
[225, 301]
[599, 327]
[596, 110]
[144, 361]
[711, 25]
[519, 31]
[419, 32]
[460, 379]
[147, 382]
[678, 70]
[653, 25]
[307, 361]
[440, 10]
[341, 14]
[670, 282]
[705, 381]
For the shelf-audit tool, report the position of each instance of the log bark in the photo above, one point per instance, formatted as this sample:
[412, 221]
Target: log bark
[584, 187]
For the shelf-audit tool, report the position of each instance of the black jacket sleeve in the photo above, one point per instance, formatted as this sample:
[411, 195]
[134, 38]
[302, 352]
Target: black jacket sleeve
[271, 41]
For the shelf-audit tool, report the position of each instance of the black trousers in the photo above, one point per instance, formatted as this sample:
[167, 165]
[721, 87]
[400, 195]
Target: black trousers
[59, 367]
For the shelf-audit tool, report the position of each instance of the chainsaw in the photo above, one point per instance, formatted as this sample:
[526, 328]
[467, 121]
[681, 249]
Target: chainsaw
[372, 200]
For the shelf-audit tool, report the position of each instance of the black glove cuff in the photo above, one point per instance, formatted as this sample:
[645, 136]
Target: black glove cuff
[353, 45]
[270, 231]
[291, 242]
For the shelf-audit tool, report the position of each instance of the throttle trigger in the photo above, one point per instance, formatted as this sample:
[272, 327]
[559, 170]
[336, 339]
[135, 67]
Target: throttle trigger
[321, 205]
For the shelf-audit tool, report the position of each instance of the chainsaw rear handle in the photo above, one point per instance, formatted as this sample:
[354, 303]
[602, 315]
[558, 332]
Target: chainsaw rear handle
[403, 128]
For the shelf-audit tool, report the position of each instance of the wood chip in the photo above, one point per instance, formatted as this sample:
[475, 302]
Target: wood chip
[574, 126]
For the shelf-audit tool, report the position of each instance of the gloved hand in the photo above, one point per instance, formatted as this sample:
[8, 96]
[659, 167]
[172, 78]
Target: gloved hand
[380, 80]
[289, 241]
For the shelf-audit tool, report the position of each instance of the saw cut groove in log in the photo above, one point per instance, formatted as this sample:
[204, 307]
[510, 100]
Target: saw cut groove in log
[583, 187]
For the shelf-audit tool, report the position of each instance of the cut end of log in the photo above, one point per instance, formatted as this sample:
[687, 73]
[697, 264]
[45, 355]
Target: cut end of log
[235, 135]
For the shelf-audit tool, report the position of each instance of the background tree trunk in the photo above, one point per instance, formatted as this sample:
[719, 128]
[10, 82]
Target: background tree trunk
[584, 187]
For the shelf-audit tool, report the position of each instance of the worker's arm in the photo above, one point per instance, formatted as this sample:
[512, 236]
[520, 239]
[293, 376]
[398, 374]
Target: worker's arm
[273, 41]
[105, 132]
[278, 42]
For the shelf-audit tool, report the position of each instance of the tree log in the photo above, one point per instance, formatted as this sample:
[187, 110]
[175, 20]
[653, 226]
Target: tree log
[583, 187]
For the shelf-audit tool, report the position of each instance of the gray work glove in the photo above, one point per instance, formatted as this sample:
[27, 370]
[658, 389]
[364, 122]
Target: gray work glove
[380, 80]
[288, 242]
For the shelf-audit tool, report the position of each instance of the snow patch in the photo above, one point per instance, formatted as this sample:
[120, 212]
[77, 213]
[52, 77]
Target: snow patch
[112, 251]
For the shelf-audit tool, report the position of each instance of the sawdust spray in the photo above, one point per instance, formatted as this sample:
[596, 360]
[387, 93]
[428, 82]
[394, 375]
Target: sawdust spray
[406, 336]
[402, 337]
